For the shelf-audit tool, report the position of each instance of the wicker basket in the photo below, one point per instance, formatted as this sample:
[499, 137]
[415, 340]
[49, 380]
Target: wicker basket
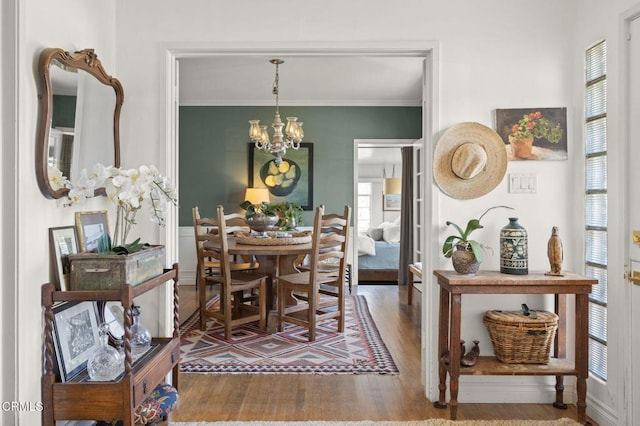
[520, 339]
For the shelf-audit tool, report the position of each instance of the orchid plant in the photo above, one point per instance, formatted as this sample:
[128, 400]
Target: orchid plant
[130, 190]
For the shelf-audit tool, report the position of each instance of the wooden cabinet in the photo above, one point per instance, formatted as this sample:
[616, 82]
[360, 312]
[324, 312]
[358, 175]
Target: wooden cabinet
[453, 286]
[81, 399]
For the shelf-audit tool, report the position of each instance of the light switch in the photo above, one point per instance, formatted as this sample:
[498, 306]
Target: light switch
[523, 183]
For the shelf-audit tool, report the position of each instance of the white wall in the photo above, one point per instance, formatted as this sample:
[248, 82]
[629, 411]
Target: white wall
[71, 25]
[502, 54]
[496, 54]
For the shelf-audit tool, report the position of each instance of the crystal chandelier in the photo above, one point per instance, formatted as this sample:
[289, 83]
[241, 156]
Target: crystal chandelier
[293, 133]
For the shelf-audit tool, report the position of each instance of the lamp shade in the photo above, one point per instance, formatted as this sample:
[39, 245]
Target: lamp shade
[257, 195]
[393, 185]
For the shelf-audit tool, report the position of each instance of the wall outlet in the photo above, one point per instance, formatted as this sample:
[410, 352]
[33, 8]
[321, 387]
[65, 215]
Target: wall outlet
[523, 183]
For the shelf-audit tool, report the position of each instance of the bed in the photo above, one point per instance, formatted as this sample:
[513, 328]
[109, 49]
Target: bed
[378, 259]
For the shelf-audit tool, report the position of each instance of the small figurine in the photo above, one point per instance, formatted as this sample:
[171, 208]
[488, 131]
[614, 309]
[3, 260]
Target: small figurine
[469, 360]
[554, 251]
[445, 357]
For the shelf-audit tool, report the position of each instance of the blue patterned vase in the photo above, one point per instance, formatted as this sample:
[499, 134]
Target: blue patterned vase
[514, 249]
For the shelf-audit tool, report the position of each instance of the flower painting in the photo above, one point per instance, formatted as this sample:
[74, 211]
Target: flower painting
[533, 133]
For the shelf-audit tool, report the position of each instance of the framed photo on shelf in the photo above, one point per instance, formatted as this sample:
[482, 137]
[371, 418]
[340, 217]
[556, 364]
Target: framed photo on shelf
[75, 335]
[112, 314]
[63, 241]
[93, 229]
[290, 181]
[391, 202]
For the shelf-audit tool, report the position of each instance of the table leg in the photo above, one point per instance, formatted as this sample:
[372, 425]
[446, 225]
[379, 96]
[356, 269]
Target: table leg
[560, 346]
[582, 353]
[454, 354]
[443, 340]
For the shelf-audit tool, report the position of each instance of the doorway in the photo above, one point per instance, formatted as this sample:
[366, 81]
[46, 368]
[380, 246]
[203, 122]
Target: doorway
[426, 50]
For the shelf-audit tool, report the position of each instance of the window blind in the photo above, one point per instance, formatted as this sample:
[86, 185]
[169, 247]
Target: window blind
[596, 202]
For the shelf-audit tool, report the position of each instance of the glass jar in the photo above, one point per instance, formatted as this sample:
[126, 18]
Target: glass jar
[105, 364]
[140, 336]
[514, 256]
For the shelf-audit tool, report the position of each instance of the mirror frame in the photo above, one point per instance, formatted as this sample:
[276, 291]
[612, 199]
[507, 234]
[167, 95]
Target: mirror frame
[85, 60]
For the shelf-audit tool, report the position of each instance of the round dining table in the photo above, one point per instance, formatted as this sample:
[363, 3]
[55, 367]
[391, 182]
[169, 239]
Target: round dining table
[274, 260]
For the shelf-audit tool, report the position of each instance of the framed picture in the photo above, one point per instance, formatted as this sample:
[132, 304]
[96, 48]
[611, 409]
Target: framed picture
[112, 314]
[391, 202]
[75, 330]
[93, 229]
[63, 241]
[533, 133]
[291, 181]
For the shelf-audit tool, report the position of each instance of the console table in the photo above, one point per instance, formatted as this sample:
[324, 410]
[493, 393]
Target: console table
[454, 285]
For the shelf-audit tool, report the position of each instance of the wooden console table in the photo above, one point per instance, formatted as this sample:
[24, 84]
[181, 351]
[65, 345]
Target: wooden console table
[453, 286]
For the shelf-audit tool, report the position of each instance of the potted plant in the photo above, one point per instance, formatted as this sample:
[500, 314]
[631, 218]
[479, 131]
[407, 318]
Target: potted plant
[291, 214]
[532, 126]
[465, 253]
[260, 217]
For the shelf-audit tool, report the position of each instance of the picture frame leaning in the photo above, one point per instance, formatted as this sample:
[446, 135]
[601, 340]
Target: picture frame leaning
[75, 335]
[93, 229]
[63, 241]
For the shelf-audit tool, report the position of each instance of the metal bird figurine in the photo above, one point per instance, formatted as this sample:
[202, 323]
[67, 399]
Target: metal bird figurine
[554, 251]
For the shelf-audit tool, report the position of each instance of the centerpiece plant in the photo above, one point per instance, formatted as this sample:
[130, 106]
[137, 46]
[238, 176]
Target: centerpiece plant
[289, 214]
[131, 190]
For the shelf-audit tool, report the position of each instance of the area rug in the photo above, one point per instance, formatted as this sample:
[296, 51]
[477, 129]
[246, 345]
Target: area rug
[430, 422]
[359, 350]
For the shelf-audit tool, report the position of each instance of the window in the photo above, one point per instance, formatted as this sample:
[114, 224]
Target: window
[596, 203]
[364, 205]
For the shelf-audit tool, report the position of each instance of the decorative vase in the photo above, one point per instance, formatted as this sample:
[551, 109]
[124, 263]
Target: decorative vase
[140, 336]
[521, 148]
[260, 222]
[514, 249]
[105, 364]
[464, 261]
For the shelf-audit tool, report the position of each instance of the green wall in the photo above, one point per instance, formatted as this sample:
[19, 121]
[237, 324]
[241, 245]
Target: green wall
[214, 147]
[64, 108]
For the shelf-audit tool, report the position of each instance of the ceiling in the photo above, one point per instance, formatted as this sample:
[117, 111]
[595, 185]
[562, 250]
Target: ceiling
[304, 80]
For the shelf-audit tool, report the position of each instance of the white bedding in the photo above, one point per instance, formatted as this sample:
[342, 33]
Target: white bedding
[366, 245]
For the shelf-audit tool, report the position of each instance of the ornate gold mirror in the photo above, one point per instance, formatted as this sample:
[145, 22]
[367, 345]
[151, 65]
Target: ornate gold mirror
[79, 117]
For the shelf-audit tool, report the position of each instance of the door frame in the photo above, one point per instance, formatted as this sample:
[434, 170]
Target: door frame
[428, 50]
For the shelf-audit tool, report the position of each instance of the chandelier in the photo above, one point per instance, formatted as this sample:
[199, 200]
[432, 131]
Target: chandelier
[293, 133]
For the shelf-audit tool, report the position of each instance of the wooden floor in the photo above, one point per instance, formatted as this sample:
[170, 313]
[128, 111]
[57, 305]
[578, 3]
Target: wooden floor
[338, 397]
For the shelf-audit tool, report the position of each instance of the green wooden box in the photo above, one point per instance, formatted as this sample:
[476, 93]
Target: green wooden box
[100, 271]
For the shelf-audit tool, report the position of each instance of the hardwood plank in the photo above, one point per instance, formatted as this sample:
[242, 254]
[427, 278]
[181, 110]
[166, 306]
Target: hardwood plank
[275, 397]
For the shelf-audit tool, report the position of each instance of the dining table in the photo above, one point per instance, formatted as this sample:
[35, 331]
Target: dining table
[273, 260]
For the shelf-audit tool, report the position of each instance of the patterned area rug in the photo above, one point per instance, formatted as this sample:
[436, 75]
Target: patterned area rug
[359, 350]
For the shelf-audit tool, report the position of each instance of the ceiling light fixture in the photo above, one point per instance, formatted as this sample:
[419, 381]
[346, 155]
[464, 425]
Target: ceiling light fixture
[293, 131]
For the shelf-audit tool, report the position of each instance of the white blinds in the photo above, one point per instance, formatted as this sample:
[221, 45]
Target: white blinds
[596, 203]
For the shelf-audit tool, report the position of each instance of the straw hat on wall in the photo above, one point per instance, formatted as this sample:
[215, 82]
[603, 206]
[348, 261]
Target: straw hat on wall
[469, 161]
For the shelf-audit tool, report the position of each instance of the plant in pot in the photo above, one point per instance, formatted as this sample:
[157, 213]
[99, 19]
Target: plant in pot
[260, 217]
[466, 254]
[532, 126]
[290, 215]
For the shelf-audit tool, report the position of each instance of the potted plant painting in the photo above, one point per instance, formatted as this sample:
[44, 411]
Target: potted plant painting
[466, 254]
[532, 126]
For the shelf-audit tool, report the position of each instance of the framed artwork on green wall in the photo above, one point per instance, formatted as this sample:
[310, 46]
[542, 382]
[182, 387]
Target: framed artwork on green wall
[291, 181]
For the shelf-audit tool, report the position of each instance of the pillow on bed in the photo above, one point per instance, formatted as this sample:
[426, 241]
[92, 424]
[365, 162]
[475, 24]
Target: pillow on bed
[366, 246]
[376, 233]
[391, 234]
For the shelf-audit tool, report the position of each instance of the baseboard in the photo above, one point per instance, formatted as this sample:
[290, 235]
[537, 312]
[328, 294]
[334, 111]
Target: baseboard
[602, 414]
[513, 389]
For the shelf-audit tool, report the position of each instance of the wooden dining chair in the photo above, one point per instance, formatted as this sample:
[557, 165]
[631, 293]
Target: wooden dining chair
[320, 290]
[238, 282]
[210, 265]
